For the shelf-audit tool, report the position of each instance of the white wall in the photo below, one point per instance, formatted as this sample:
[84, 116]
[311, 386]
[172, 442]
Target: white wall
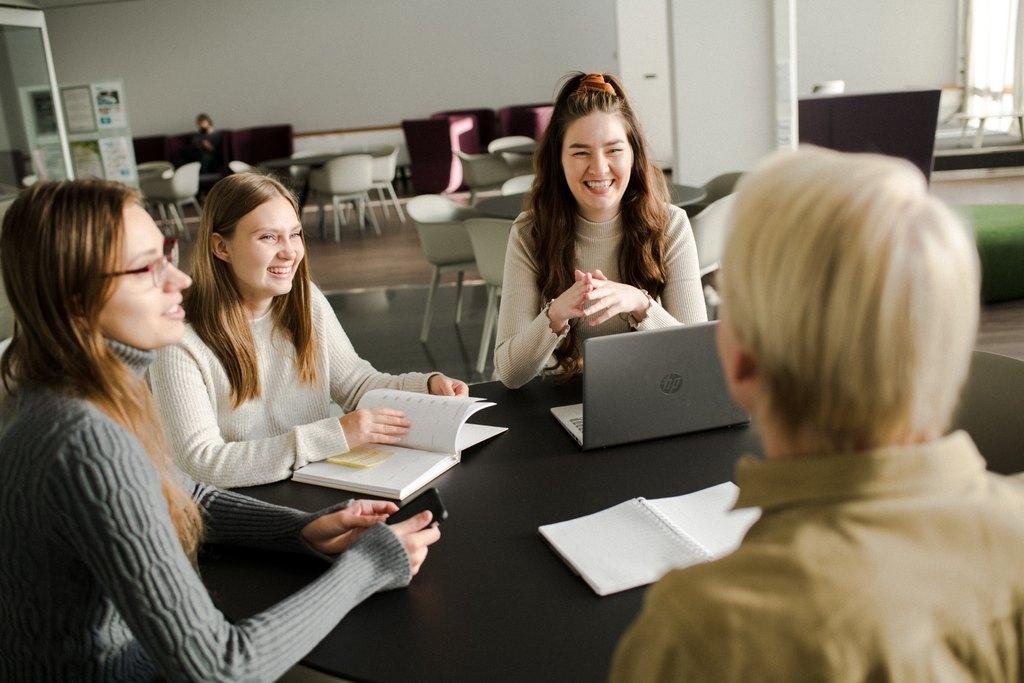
[724, 88]
[876, 45]
[326, 64]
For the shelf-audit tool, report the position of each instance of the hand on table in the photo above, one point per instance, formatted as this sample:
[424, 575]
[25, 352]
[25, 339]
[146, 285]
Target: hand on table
[607, 299]
[439, 385]
[416, 534]
[569, 304]
[374, 425]
[332, 533]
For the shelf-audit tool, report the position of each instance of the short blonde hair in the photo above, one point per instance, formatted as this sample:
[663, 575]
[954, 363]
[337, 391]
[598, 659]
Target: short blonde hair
[857, 293]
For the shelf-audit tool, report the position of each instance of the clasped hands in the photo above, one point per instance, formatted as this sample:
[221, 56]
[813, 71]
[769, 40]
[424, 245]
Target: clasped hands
[596, 297]
[333, 533]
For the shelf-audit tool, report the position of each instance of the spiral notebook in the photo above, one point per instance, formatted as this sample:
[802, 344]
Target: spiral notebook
[636, 542]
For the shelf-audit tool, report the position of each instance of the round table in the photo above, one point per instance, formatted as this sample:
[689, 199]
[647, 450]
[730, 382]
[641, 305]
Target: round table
[510, 206]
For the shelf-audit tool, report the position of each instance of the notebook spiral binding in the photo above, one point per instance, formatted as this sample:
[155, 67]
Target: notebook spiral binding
[684, 538]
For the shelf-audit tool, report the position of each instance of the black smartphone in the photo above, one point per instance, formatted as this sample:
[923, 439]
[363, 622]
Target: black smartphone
[428, 500]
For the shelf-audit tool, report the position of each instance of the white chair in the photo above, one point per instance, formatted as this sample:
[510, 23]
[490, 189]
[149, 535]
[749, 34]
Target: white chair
[829, 88]
[520, 163]
[711, 229]
[445, 244]
[239, 166]
[384, 168]
[489, 237]
[154, 169]
[990, 410]
[171, 194]
[517, 185]
[29, 180]
[346, 180]
[483, 172]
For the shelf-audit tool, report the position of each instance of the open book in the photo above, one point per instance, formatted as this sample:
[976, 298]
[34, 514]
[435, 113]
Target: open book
[434, 444]
[636, 542]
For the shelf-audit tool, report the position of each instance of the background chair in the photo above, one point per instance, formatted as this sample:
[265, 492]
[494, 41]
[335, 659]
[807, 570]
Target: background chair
[239, 166]
[385, 163]
[154, 169]
[829, 88]
[517, 185]
[445, 244]
[530, 120]
[430, 143]
[520, 163]
[171, 194]
[346, 179]
[489, 237]
[710, 231]
[483, 172]
[716, 188]
[991, 410]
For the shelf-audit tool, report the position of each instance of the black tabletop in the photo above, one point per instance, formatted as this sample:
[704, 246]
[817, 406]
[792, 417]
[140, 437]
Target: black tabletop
[510, 206]
[493, 601]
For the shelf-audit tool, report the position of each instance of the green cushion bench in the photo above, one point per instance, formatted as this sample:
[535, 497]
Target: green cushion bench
[999, 231]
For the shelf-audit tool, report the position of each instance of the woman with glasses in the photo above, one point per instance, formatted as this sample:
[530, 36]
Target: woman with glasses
[246, 397]
[99, 530]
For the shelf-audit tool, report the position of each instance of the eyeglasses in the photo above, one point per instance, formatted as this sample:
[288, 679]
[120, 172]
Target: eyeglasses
[159, 268]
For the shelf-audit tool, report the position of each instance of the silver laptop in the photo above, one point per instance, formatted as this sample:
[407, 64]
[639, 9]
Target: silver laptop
[645, 385]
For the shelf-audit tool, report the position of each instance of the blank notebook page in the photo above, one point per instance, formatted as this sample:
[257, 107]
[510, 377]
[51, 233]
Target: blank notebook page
[620, 548]
[707, 517]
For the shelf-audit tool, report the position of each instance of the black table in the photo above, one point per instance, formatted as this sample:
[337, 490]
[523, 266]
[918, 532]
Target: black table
[493, 601]
[510, 206]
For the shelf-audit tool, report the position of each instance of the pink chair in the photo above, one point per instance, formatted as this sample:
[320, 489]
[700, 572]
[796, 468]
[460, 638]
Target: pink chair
[485, 128]
[432, 144]
[530, 120]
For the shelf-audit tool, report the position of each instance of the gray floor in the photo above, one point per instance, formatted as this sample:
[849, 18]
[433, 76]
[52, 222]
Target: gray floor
[384, 326]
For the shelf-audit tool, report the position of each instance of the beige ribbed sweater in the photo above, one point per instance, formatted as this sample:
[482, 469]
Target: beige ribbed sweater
[288, 426]
[525, 340]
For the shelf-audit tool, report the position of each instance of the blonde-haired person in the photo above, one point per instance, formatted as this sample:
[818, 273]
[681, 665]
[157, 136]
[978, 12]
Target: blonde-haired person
[99, 532]
[246, 396]
[884, 550]
[600, 250]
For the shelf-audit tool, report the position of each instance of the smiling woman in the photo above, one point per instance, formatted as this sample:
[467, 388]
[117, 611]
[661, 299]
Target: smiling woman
[600, 250]
[247, 395]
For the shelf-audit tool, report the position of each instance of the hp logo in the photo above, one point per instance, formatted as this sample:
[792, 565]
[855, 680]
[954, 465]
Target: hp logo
[670, 383]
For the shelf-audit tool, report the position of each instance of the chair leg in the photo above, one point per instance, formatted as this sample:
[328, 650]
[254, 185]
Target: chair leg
[337, 218]
[162, 210]
[397, 204]
[485, 338]
[429, 313]
[458, 297]
[176, 217]
[472, 196]
[369, 211]
[384, 211]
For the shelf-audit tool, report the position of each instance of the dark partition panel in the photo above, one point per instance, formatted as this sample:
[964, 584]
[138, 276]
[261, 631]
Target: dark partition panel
[900, 124]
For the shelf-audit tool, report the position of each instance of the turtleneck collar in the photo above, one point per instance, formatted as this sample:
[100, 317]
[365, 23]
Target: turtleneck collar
[589, 229]
[136, 359]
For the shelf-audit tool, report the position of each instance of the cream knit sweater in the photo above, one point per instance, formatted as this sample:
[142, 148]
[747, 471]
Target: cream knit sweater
[288, 426]
[525, 340]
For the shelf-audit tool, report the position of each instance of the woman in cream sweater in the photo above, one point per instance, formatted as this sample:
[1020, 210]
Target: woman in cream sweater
[246, 395]
[600, 251]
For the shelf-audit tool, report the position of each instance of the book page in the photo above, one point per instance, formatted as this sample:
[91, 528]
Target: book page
[708, 518]
[404, 470]
[436, 420]
[619, 548]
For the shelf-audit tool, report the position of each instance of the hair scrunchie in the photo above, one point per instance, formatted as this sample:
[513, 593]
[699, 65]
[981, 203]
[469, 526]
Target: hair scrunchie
[596, 82]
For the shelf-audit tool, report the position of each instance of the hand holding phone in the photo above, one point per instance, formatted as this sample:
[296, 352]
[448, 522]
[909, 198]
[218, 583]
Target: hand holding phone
[428, 500]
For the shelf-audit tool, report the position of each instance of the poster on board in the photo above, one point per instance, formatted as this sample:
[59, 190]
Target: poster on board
[86, 159]
[118, 159]
[48, 162]
[108, 98]
[78, 109]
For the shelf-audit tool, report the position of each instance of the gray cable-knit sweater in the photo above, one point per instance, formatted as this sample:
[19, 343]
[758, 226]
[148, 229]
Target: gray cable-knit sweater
[94, 584]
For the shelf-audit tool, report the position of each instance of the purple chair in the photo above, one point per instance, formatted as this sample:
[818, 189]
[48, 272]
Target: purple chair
[530, 120]
[253, 145]
[485, 127]
[150, 148]
[432, 144]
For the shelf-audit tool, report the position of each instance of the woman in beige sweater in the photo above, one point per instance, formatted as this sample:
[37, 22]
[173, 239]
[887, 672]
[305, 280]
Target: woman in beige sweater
[601, 250]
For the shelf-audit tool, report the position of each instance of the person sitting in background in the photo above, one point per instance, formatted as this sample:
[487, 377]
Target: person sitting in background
[206, 146]
[247, 395]
[100, 531]
[884, 550]
[601, 250]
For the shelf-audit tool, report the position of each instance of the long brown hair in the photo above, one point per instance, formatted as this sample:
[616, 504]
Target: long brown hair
[644, 203]
[57, 241]
[214, 303]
